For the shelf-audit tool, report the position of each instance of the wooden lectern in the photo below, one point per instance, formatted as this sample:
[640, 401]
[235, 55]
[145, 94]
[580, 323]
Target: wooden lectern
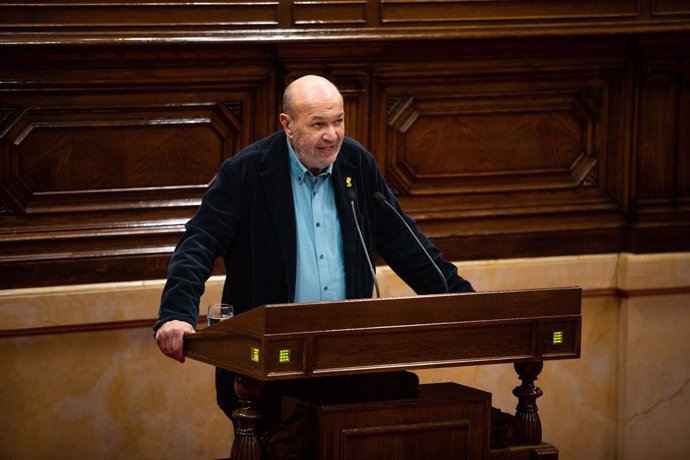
[297, 341]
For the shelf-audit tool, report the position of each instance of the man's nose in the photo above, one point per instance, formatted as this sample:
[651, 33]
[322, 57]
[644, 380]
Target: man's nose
[330, 133]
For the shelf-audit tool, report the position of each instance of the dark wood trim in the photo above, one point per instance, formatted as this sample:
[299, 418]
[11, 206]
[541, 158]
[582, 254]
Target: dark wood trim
[316, 35]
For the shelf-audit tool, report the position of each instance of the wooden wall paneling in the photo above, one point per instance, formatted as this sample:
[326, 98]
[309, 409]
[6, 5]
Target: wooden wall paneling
[660, 219]
[683, 170]
[320, 13]
[297, 21]
[354, 84]
[499, 148]
[104, 161]
[508, 147]
[110, 14]
[411, 11]
[616, 166]
[670, 8]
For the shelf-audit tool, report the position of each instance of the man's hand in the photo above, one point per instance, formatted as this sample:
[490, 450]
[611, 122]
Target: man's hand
[170, 338]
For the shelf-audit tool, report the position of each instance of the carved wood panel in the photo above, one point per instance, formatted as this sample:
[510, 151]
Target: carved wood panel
[63, 159]
[488, 149]
[499, 148]
[106, 154]
[510, 140]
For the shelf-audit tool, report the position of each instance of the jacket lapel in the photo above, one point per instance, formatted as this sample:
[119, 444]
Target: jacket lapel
[277, 187]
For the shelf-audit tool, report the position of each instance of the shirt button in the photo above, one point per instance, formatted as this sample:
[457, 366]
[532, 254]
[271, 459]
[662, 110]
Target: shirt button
[325, 288]
[318, 224]
[321, 256]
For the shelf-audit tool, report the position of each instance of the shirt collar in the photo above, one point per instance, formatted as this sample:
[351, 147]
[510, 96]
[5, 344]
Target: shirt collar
[299, 171]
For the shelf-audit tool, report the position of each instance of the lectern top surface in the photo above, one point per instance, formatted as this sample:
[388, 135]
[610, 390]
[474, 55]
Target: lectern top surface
[419, 310]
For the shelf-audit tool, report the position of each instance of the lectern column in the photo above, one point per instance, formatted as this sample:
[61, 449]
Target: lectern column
[527, 420]
[247, 445]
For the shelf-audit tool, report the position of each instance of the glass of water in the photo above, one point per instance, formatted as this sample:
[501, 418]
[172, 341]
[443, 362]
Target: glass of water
[218, 312]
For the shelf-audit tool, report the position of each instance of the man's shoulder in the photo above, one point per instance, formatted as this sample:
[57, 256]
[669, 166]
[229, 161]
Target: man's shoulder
[354, 145]
[256, 152]
[263, 145]
[356, 153]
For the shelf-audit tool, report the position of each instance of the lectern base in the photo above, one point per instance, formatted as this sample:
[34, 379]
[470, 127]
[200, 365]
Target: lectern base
[442, 421]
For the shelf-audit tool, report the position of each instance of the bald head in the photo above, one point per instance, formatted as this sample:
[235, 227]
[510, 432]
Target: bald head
[314, 121]
[309, 90]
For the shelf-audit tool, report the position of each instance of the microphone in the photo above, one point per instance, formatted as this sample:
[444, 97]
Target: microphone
[382, 201]
[351, 196]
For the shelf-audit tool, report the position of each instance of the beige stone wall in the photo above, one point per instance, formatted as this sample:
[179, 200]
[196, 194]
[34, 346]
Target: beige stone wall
[81, 376]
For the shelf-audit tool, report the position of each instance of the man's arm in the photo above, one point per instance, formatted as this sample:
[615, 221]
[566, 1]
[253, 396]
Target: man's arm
[206, 237]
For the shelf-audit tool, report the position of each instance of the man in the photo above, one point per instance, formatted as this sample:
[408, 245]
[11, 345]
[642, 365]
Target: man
[280, 214]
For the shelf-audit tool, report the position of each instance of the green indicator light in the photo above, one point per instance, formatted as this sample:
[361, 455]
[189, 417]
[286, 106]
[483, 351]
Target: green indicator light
[557, 337]
[255, 355]
[284, 356]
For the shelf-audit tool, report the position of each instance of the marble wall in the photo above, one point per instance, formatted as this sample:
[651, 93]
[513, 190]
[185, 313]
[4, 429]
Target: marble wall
[82, 378]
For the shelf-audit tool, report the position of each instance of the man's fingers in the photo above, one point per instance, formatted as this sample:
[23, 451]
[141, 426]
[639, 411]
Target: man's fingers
[170, 338]
[177, 346]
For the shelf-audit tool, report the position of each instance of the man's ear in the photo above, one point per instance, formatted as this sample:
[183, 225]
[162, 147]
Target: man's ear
[286, 123]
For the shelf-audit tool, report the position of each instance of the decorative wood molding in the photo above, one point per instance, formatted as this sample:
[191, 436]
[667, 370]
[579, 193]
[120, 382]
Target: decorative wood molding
[340, 13]
[224, 21]
[5, 209]
[122, 158]
[235, 108]
[410, 11]
[417, 125]
[670, 8]
[591, 176]
[5, 113]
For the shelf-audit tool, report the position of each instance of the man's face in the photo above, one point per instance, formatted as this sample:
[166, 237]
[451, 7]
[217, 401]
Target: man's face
[316, 132]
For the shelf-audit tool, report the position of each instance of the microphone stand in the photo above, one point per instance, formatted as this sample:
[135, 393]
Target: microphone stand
[351, 196]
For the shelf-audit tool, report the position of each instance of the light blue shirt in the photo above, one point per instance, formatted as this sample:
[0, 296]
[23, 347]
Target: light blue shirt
[320, 260]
